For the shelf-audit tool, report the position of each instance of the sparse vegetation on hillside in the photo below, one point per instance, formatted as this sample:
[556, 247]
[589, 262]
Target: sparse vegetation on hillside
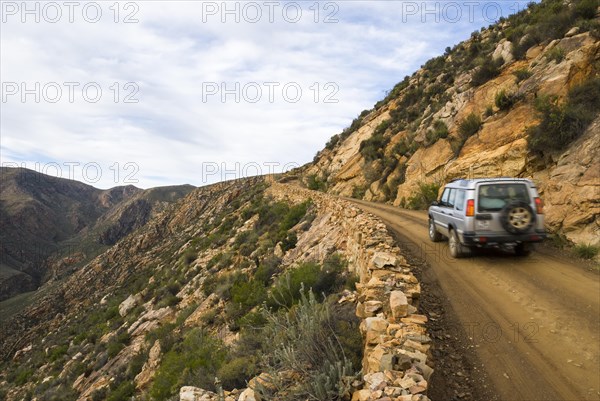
[413, 102]
[561, 124]
[243, 271]
[548, 20]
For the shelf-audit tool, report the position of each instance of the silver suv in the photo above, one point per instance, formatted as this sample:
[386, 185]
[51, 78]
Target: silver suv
[488, 212]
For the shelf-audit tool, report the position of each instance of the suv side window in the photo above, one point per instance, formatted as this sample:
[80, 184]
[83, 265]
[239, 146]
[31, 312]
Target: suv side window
[444, 200]
[451, 198]
[460, 199]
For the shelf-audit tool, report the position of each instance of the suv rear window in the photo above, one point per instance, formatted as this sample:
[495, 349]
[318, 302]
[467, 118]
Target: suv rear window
[493, 197]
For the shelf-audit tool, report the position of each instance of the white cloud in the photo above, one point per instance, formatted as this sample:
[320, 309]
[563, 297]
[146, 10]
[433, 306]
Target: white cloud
[171, 133]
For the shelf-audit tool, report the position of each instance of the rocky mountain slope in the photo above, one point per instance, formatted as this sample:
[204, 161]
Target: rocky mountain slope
[520, 99]
[285, 293]
[250, 281]
[67, 221]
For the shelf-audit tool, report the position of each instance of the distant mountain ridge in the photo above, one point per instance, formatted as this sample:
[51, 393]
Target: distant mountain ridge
[43, 215]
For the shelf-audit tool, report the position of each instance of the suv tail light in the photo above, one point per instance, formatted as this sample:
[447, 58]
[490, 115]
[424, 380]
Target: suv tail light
[471, 207]
[539, 206]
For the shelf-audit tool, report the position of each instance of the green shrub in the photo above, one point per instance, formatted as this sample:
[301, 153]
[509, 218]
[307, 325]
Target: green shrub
[123, 392]
[585, 9]
[117, 343]
[439, 131]
[289, 242]
[246, 242]
[208, 317]
[315, 183]
[189, 256]
[168, 301]
[236, 372]
[111, 312]
[194, 362]
[356, 123]
[289, 286]
[563, 124]
[359, 191]
[248, 236]
[556, 54]
[252, 319]
[214, 260]
[489, 68]
[164, 335]
[426, 194]
[347, 332]
[248, 294]
[372, 148]
[469, 125]
[136, 364]
[489, 111]
[321, 279]
[58, 352]
[401, 148]
[113, 348]
[504, 101]
[303, 340]
[294, 215]
[22, 376]
[591, 26]
[224, 282]
[332, 142]
[522, 74]
[521, 46]
[266, 269]
[586, 251]
[99, 394]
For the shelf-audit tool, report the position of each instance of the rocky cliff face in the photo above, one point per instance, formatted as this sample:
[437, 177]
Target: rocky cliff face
[414, 136]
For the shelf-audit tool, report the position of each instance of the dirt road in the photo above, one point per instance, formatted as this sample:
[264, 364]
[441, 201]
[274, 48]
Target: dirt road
[534, 322]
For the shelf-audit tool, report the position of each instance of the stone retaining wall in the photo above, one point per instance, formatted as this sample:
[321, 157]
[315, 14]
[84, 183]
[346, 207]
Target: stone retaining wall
[396, 356]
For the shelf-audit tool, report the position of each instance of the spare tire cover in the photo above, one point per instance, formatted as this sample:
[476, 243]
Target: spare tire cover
[517, 217]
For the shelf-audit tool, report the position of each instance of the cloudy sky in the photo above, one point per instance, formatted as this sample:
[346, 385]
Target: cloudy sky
[168, 92]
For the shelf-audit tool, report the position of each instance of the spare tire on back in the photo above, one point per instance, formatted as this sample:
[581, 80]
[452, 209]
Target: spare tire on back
[517, 217]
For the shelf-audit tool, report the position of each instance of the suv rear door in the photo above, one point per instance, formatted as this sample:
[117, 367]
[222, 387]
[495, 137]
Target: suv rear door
[492, 197]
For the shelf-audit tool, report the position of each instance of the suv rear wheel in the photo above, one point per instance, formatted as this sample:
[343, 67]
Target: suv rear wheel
[434, 235]
[457, 250]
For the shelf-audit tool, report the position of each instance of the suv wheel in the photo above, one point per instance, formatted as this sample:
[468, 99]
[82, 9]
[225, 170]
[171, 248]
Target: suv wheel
[523, 249]
[457, 250]
[517, 217]
[434, 235]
